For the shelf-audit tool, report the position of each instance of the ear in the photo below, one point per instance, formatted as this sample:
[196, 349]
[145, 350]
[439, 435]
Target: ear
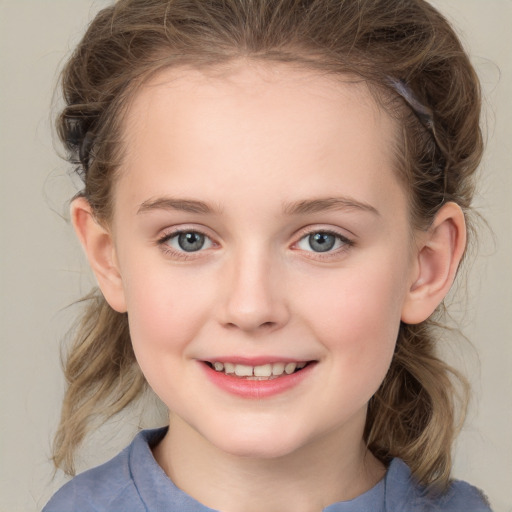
[437, 258]
[100, 250]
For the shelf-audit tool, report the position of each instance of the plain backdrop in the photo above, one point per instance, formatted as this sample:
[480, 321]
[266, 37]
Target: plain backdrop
[42, 269]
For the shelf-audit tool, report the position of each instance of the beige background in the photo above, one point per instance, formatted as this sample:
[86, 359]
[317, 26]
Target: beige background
[42, 269]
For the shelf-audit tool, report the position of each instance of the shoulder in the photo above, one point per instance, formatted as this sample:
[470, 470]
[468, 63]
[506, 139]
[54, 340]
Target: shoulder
[403, 493]
[98, 489]
[463, 496]
[107, 487]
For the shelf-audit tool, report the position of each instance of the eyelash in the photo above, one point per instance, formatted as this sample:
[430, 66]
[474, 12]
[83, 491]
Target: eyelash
[181, 254]
[346, 243]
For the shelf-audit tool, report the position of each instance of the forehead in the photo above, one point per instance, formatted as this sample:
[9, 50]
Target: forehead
[252, 121]
[248, 84]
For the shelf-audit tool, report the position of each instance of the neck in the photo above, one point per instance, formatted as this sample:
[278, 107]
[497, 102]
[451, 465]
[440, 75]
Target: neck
[326, 471]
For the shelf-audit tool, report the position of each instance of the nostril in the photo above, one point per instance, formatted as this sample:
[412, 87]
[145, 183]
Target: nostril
[263, 326]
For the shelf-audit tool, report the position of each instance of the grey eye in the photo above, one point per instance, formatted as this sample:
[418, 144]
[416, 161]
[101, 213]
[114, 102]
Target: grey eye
[189, 241]
[322, 241]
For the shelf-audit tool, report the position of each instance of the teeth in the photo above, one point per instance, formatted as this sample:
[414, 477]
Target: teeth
[290, 368]
[265, 370]
[277, 368]
[229, 368]
[243, 371]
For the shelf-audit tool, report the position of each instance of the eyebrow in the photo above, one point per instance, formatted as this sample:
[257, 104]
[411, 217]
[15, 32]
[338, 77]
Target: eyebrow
[302, 207]
[327, 203]
[184, 205]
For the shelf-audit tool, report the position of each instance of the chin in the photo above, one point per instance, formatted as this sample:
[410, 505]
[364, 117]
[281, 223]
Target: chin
[260, 444]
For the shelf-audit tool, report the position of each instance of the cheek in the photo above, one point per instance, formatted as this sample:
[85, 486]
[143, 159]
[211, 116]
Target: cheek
[165, 312]
[356, 316]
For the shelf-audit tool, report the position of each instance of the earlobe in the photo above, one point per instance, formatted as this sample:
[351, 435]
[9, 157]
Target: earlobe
[437, 259]
[99, 248]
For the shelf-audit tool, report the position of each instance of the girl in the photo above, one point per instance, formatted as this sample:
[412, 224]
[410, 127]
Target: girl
[275, 203]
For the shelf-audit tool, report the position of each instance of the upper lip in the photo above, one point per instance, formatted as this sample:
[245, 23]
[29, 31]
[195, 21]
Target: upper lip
[255, 361]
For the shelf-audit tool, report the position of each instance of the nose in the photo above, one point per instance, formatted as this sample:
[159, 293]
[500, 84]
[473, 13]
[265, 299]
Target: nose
[254, 293]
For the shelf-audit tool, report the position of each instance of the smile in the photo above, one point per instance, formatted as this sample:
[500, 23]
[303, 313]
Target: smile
[264, 379]
[267, 371]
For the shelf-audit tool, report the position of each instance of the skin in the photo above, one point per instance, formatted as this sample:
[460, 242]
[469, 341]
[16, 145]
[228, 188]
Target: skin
[257, 288]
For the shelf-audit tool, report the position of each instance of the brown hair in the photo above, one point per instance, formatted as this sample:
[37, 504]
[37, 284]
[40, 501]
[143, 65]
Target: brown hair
[402, 49]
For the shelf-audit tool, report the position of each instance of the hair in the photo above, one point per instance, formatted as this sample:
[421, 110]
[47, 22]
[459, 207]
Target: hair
[405, 51]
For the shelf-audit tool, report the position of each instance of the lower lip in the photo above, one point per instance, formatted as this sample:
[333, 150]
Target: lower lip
[256, 389]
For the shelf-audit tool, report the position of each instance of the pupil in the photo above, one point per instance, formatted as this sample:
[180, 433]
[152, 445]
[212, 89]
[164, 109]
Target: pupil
[191, 242]
[322, 242]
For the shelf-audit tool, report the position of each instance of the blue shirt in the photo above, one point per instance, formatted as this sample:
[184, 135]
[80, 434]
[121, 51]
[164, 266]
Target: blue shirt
[134, 482]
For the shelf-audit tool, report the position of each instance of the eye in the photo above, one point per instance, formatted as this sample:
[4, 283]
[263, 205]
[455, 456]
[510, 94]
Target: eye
[322, 241]
[187, 241]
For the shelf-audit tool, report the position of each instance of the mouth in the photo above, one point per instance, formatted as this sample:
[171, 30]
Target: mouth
[269, 371]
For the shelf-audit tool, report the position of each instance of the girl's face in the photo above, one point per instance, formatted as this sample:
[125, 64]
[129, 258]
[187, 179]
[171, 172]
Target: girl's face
[260, 229]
